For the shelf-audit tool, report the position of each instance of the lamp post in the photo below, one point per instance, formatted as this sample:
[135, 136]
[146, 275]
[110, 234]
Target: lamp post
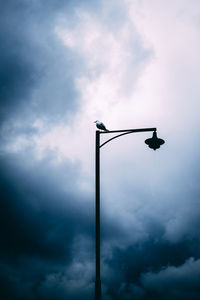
[153, 143]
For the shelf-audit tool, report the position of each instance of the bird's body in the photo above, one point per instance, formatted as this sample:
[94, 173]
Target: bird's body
[100, 125]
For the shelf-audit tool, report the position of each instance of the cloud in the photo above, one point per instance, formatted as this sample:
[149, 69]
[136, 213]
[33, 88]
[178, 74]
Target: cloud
[36, 71]
[129, 64]
[154, 268]
[174, 282]
[170, 282]
[40, 227]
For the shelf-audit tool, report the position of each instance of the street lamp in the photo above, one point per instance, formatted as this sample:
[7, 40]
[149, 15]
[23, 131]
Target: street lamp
[153, 143]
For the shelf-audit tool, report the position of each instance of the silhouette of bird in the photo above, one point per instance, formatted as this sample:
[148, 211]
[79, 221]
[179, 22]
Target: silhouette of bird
[100, 125]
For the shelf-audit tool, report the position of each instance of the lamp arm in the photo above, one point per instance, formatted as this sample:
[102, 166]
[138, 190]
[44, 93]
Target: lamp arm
[128, 131]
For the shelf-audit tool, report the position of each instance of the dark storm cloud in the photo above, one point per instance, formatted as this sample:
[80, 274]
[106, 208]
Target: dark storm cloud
[36, 70]
[39, 222]
[152, 254]
[175, 282]
[169, 283]
[46, 231]
[143, 269]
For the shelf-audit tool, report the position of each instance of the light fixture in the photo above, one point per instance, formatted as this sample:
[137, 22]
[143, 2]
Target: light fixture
[154, 142]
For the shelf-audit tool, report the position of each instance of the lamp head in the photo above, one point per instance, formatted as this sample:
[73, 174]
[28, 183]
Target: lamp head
[154, 142]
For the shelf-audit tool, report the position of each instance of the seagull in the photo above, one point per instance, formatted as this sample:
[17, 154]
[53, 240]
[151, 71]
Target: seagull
[100, 125]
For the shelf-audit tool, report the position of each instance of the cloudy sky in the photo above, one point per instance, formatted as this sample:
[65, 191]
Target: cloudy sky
[131, 64]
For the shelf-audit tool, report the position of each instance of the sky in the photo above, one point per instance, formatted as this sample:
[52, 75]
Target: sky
[130, 64]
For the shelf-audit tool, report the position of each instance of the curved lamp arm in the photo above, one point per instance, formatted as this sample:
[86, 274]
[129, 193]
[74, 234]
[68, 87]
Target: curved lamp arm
[126, 131]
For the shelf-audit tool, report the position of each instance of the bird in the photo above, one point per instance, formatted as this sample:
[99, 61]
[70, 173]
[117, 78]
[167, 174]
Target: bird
[100, 125]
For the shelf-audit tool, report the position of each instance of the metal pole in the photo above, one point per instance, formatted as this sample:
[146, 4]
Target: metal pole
[98, 273]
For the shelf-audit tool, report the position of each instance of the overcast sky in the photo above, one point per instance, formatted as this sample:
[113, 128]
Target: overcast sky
[130, 64]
